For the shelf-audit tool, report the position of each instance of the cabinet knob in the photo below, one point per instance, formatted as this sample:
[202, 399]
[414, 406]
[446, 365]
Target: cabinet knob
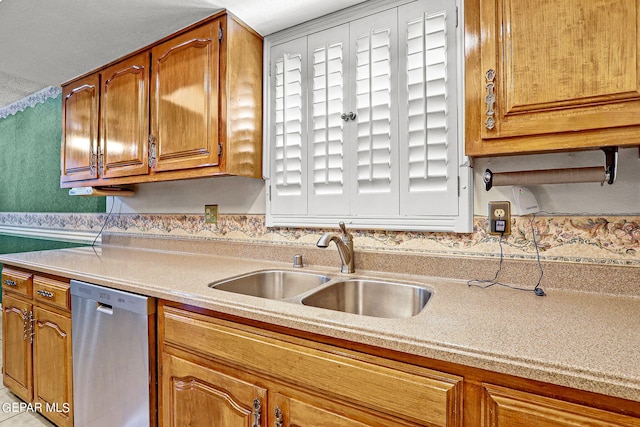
[10, 282]
[348, 116]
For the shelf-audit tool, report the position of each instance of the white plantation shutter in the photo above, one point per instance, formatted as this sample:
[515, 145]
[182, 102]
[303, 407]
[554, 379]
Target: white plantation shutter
[398, 164]
[288, 133]
[428, 111]
[328, 59]
[375, 137]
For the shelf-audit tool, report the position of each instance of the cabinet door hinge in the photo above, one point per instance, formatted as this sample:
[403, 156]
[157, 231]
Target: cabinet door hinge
[458, 186]
[457, 14]
[220, 150]
[220, 33]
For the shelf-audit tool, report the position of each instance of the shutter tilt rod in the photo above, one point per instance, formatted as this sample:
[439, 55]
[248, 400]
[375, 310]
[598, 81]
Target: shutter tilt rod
[557, 176]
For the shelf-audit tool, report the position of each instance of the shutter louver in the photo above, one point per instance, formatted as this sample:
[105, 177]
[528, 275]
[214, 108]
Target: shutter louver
[288, 125]
[427, 103]
[428, 113]
[373, 108]
[328, 100]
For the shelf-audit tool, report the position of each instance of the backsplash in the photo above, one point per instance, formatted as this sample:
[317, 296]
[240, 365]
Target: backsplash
[611, 240]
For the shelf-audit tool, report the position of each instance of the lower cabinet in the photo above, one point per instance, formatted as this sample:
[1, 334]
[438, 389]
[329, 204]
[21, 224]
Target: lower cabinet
[17, 355]
[36, 343]
[195, 395]
[216, 372]
[503, 406]
[293, 408]
[52, 365]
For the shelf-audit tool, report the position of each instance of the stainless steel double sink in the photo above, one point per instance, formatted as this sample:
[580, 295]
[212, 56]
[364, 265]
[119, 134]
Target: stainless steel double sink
[366, 297]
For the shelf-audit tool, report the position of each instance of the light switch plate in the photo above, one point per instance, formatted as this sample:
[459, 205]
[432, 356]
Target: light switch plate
[500, 218]
[211, 214]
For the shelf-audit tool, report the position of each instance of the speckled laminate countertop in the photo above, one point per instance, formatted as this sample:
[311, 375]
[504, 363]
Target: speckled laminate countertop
[582, 340]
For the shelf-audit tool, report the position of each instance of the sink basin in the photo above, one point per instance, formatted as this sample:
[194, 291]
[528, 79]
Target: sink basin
[272, 284]
[371, 298]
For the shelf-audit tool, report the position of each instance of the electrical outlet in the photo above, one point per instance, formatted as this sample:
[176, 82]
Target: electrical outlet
[499, 218]
[211, 214]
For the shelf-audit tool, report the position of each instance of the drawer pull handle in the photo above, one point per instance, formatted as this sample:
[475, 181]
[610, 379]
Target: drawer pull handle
[45, 294]
[10, 282]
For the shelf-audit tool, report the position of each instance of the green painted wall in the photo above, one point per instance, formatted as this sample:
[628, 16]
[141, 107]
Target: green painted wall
[30, 163]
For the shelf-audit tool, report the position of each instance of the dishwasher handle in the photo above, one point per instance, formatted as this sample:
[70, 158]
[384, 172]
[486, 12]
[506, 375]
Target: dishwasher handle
[104, 308]
[107, 299]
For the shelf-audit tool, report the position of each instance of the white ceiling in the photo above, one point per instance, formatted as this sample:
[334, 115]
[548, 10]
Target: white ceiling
[47, 42]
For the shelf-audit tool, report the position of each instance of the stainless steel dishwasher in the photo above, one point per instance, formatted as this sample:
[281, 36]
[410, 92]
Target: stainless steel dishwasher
[114, 378]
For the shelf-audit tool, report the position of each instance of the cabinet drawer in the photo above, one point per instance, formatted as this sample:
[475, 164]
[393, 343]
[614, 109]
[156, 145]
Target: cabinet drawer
[416, 394]
[17, 281]
[503, 406]
[52, 292]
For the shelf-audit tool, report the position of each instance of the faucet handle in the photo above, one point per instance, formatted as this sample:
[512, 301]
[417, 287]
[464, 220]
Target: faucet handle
[346, 236]
[343, 227]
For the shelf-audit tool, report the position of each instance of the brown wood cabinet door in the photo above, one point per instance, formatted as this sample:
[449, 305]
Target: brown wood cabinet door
[184, 99]
[124, 118]
[196, 396]
[307, 411]
[16, 347]
[424, 396]
[555, 66]
[52, 368]
[80, 109]
[504, 407]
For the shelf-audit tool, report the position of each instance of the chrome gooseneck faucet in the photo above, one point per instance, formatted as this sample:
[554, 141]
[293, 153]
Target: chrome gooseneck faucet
[344, 244]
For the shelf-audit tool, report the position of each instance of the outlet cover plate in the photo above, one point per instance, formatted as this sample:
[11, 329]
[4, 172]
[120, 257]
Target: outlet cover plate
[500, 218]
[211, 214]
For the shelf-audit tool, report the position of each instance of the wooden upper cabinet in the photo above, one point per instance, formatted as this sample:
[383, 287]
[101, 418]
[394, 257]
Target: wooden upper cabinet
[187, 106]
[124, 112]
[551, 74]
[80, 102]
[184, 100]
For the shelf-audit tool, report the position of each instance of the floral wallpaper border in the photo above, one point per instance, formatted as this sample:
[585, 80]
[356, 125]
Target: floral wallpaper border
[584, 239]
[30, 101]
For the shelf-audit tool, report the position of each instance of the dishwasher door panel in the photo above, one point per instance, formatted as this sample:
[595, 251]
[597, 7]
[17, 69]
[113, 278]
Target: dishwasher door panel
[113, 378]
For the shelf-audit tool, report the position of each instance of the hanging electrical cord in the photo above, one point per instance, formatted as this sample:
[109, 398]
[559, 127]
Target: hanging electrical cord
[484, 284]
[103, 224]
[537, 289]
